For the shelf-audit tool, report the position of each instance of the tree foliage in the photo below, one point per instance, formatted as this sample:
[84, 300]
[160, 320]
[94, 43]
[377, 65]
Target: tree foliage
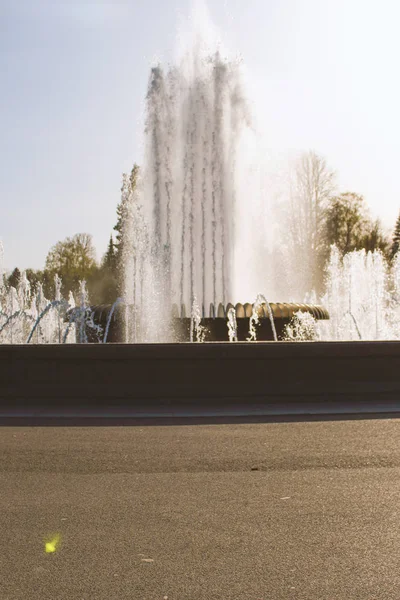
[73, 259]
[376, 239]
[110, 258]
[349, 226]
[104, 284]
[395, 245]
[129, 185]
[316, 217]
[15, 277]
[311, 185]
[346, 222]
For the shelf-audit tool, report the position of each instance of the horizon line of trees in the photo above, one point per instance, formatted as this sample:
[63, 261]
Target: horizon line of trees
[74, 260]
[313, 217]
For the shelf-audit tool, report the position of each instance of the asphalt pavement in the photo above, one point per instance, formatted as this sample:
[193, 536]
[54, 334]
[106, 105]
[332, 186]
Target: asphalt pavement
[253, 511]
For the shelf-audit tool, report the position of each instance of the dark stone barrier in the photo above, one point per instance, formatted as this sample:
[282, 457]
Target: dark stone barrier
[203, 375]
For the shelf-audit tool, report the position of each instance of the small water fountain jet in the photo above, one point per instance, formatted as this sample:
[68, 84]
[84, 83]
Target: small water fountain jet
[232, 325]
[83, 317]
[354, 320]
[302, 328]
[255, 318]
[110, 316]
[27, 316]
[361, 297]
[197, 330]
[56, 304]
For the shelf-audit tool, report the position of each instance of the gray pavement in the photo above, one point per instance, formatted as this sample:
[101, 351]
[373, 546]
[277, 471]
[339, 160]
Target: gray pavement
[260, 511]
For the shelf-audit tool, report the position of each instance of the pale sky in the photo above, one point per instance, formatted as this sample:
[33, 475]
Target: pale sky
[321, 75]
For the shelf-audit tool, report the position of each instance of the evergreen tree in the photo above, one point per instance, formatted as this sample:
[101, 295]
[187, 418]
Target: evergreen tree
[104, 282]
[128, 187]
[14, 278]
[375, 239]
[396, 239]
[110, 258]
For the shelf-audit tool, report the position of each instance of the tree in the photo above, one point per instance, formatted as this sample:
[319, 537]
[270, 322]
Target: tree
[375, 239]
[15, 277]
[395, 246]
[349, 226]
[346, 222]
[310, 187]
[109, 261]
[34, 277]
[104, 283]
[129, 185]
[73, 259]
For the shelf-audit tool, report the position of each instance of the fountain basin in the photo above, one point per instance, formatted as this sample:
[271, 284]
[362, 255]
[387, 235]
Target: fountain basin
[169, 379]
[215, 320]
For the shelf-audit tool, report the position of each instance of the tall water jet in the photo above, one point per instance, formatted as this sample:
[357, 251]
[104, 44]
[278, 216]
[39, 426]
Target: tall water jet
[195, 116]
[232, 325]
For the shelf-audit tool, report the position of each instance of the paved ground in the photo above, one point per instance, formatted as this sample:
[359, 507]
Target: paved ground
[268, 511]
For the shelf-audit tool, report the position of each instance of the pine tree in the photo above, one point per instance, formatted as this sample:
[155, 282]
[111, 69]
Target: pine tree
[128, 186]
[396, 239]
[14, 278]
[110, 257]
[376, 239]
[104, 286]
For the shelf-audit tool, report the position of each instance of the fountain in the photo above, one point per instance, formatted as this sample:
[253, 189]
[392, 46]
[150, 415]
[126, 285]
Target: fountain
[194, 118]
[179, 235]
[28, 317]
[362, 296]
[185, 202]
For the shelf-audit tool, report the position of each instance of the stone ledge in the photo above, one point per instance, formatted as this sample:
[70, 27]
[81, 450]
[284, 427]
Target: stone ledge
[207, 374]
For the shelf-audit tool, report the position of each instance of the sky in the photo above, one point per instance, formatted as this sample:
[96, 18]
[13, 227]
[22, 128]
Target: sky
[320, 74]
